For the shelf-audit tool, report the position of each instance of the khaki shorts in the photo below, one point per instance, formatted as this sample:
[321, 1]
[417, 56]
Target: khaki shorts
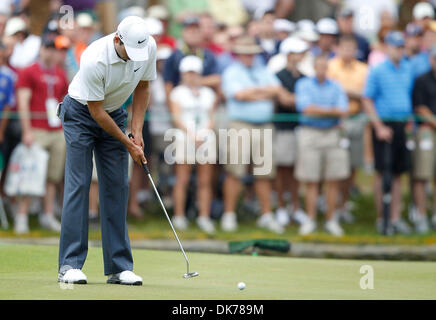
[320, 157]
[424, 155]
[54, 143]
[285, 148]
[254, 150]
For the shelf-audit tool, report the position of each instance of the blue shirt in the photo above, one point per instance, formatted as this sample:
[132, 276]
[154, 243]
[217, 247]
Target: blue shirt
[326, 95]
[238, 77]
[6, 89]
[390, 88]
[420, 63]
[171, 70]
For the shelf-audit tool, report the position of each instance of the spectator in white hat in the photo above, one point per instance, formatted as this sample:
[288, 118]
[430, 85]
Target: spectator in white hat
[423, 12]
[283, 28]
[161, 12]
[27, 45]
[424, 15]
[192, 106]
[328, 31]
[155, 28]
[285, 144]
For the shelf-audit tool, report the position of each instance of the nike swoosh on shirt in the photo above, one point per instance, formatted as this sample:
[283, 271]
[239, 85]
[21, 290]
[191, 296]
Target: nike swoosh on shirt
[136, 69]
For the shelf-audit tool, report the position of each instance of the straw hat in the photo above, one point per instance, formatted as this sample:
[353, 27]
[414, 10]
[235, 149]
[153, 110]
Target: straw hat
[246, 45]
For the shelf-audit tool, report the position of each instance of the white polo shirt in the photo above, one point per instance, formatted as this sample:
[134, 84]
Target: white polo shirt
[105, 76]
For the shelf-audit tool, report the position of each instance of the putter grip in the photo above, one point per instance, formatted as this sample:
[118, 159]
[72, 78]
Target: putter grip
[144, 165]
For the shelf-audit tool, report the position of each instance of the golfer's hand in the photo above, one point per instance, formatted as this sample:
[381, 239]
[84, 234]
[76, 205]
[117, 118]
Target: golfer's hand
[28, 138]
[137, 153]
[138, 139]
[383, 133]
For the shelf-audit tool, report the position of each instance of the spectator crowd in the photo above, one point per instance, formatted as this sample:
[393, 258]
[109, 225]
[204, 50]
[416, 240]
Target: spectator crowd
[338, 86]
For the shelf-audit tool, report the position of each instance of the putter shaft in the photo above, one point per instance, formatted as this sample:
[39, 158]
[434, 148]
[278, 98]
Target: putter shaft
[166, 214]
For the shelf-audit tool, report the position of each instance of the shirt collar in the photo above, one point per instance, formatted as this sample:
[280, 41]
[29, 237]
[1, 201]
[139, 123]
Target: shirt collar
[347, 66]
[112, 54]
[325, 83]
[394, 66]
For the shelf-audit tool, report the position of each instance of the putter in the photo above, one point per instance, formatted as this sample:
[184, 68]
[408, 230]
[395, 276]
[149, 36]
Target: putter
[387, 186]
[188, 274]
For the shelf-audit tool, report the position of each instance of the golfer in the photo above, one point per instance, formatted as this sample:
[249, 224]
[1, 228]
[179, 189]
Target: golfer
[111, 69]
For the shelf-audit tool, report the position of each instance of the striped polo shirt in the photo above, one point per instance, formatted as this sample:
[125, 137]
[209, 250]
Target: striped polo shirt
[390, 87]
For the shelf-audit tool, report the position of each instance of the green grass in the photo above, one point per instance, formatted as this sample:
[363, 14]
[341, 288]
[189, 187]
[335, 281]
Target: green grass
[29, 272]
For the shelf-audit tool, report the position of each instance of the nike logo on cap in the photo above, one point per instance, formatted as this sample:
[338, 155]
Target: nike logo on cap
[139, 42]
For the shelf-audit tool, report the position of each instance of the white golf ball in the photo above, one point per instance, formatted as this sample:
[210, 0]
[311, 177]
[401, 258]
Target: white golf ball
[241, 286]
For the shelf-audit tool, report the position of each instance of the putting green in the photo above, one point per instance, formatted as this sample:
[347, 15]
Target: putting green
[29, 272]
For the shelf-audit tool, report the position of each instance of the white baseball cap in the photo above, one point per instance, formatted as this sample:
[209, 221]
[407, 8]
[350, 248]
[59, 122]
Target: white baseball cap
[154, 26]
[306, 24]
[163, 53]
[293, 45]
[306, 30]
[284, 25]
[327, 26]
[191, 63]
[158, 11]
[134, 34]
[423, 10]
[84, 20]
[14, 25]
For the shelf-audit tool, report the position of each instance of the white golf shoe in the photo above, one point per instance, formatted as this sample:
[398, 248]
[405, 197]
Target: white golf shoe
[282, 216]
[75, 276]
[307, 227]
[228, 222]
[268, 222]
[206, 225]
[300, 216]
[126, 277]
[48, 221]
[333, 227]
[180, 223]
[21, 224]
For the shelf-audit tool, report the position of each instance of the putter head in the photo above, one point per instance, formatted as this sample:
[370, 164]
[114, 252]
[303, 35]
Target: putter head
[190, 275]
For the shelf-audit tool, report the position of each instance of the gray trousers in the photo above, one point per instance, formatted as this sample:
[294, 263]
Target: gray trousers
[83, 136]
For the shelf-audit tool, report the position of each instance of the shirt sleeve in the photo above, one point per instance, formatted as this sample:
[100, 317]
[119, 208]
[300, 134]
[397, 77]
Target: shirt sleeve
[24, 79]
[150, 72]
[302, 94]
[231, 84]
[92, 81]
[370, 90]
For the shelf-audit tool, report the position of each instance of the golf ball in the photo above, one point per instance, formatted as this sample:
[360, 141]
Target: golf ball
[241, 286]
